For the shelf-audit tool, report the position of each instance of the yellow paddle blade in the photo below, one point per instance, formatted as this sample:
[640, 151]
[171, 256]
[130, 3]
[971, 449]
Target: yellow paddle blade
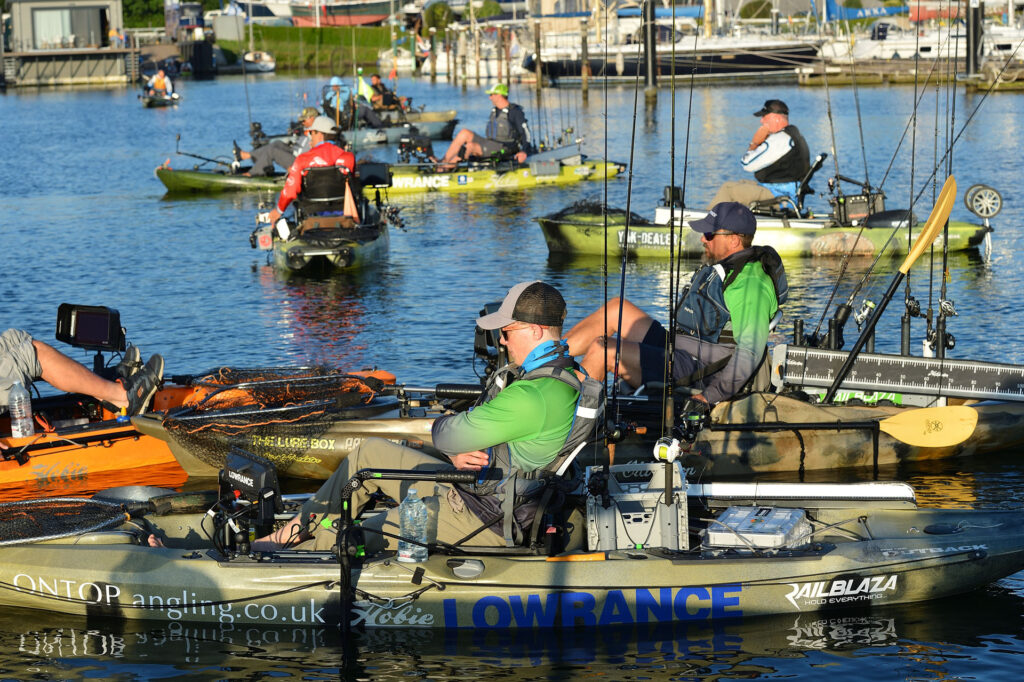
[932, 427]
[938, 218]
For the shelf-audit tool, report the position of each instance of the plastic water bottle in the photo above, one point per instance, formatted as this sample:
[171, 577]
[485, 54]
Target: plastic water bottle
[19, 404]
[413, 526]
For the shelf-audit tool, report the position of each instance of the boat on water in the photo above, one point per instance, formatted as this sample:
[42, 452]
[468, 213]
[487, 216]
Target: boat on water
[658, 550]
[858, 225]
[414, 178]
[335, 228]
[260, 61]
[434, 125]
[560, 166]
[159, 101]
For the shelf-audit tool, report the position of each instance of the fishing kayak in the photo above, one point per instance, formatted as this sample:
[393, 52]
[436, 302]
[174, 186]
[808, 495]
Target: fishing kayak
[580, 230]
[305, 420]
[406, 178]
[433, 125]
[79, 445]
[741, 550]
[182, 181]
[157, 101]
[487, 177]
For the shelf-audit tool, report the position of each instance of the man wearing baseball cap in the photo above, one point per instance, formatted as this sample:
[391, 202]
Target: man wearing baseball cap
[324, 153]
[777, 156]
[516, 434]
[723, 316]
[507, 134]
[276, 151]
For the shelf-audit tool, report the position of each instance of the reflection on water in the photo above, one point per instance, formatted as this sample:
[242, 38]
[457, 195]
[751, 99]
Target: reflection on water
[941, 639]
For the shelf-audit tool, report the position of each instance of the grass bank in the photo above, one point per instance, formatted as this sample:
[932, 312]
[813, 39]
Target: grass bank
[333, 49]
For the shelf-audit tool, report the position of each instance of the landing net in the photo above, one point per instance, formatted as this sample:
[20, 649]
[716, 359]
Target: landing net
[56, 517]
[277, 412]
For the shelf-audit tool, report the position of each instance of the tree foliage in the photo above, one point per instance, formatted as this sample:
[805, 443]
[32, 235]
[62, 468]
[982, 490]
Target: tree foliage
[490, 9]
[438, 16]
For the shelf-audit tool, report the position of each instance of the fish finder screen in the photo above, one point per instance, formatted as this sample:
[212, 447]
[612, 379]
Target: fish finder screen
[92, 328]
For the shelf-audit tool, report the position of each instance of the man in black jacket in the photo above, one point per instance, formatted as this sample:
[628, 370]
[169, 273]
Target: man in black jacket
[777, 156]
[507, 134]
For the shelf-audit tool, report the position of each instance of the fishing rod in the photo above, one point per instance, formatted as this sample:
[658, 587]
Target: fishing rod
[936, 221]
[177, 150]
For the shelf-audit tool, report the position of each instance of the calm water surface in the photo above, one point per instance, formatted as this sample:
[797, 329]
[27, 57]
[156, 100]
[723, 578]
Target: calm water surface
[85, 221]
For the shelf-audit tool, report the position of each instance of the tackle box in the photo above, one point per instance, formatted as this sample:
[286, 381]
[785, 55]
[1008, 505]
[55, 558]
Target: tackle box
[758, 528]
[636, 517]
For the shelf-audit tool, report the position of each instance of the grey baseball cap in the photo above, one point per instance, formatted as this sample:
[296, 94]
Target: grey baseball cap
[530, 302]
[323, 124]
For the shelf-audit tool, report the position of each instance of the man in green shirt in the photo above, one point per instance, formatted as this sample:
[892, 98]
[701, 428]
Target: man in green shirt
[521, 426]
[723, 316]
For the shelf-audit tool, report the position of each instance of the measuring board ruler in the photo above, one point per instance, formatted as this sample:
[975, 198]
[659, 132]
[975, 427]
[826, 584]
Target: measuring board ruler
[810, 368]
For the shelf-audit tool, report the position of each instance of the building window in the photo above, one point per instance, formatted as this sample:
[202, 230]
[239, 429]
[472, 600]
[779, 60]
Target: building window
[51, 28]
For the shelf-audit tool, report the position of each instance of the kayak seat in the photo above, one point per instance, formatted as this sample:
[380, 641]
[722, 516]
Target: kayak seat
[323, 192]
[791, 207]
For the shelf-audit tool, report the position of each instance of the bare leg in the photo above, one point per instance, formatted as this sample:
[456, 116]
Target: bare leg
[464, 138]
[592, 338]
[65, 374]
[604, 322]
[600, 359]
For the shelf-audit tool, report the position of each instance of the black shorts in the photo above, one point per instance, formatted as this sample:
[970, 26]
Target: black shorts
[652, 357]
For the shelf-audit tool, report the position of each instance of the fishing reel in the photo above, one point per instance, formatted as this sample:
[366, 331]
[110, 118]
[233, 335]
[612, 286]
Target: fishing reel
[694, 417]
[259, 138]
[866, 308]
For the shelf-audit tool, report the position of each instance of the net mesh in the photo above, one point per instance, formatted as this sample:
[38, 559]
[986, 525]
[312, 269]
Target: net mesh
[26, 521]
[274, 412]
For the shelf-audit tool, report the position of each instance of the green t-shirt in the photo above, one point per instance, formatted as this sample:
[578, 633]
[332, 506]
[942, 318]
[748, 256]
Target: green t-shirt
[533, 417]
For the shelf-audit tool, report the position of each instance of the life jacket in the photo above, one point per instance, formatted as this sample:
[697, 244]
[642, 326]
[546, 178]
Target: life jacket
[499, 126]
[518, 488]
[701, 311]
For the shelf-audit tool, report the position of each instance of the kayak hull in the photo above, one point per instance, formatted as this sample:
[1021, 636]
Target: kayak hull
[180, 181]
[877, 555]
[586, 235]
[414, 179]
[341, 250]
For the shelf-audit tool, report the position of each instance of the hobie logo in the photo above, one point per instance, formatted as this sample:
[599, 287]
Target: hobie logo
[839, 590]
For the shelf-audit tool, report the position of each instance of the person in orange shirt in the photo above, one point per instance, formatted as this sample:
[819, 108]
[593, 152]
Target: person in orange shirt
[324, 153]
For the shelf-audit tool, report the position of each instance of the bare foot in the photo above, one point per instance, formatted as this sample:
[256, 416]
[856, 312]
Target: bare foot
[154, 541]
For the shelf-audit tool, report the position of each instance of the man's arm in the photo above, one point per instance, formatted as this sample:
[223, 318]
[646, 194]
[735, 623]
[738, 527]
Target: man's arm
[513, 414]
[751, 302]
[521, 129]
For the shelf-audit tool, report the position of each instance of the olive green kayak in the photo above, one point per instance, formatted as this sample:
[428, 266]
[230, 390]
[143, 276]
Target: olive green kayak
[740, 550]
[583, 232]
[183, 181]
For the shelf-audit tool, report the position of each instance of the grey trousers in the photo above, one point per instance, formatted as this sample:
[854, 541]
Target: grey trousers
[264, 158]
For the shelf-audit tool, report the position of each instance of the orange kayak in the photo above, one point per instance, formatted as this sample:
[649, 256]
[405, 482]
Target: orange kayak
[80, 447]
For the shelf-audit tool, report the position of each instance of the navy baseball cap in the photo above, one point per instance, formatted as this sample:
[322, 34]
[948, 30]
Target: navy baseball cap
[729, 216]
